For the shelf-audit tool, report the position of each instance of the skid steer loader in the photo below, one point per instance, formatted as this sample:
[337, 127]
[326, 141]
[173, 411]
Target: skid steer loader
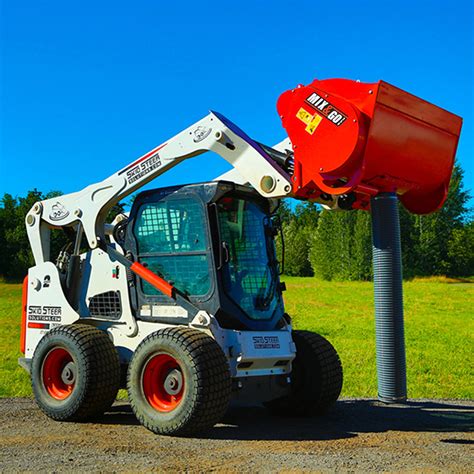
[180, 300]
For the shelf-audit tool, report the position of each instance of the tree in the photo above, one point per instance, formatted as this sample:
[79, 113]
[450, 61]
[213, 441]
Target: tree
[284, 212]
[409, 242]
[341, 246]
[7, 221]
[15, 252]
[298, 225]
[361, 258]
[319, 255]
[307, 214]
[425, 238]
[461, 251]
[297, 245]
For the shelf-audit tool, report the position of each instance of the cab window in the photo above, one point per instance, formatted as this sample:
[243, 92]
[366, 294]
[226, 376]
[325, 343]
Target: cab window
[172, 242]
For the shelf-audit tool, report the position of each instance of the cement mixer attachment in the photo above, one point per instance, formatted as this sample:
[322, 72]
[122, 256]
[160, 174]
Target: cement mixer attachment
[357, 140]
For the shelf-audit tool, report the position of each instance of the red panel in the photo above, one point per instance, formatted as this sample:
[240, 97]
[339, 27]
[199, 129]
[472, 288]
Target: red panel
[38, 325]
[321, 162]
[24, 302]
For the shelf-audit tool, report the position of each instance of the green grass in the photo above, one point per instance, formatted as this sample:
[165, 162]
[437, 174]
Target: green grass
[439, 331]
[14, 381]
[439, 328]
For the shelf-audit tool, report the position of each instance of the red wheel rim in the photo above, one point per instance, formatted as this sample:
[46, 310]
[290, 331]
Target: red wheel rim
[163, 382]
[59, 373]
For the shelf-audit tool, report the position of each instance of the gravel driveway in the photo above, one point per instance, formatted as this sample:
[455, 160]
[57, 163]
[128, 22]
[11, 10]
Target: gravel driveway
[358, 435]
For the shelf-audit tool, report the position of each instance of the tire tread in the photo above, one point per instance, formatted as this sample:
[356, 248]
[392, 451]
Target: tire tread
[319, 394]
[210, 401]
[101, 366]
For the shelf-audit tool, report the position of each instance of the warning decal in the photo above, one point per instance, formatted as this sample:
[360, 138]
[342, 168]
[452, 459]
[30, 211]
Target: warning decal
[311, 121]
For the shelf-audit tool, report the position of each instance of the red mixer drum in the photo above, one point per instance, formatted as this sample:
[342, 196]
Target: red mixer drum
[361, 139]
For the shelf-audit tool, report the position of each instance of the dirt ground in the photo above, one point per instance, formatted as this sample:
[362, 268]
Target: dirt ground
[358, 435]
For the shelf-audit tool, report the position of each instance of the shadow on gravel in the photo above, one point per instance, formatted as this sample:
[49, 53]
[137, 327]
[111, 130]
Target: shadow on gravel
[457, 441]
[346, 420]
[120, 414]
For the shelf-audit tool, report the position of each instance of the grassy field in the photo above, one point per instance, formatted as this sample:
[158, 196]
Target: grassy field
[439, 327]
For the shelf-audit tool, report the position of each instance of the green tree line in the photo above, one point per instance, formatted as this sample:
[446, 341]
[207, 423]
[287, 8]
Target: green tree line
[15, 253]
[333, 245]
[337, 245]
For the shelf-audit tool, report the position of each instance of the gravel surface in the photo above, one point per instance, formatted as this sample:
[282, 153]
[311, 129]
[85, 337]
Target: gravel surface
[357, 436]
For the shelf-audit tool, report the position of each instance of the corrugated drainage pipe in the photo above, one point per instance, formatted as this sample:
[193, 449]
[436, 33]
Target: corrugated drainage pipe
[388, 295]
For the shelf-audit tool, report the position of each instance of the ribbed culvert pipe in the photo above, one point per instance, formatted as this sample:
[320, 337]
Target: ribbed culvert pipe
[388, 296]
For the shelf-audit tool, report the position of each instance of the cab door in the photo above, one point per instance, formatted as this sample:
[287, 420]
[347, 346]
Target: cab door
[171, 238]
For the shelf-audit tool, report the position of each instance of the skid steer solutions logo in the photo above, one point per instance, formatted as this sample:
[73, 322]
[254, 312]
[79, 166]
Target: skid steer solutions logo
[266, 342]
[58, 212]
[44, 313]
[326, 109]
[201, 133]
[143, 166]
[142, 169]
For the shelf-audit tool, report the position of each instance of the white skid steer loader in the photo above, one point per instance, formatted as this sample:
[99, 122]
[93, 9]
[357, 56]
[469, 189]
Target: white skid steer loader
[181, 301]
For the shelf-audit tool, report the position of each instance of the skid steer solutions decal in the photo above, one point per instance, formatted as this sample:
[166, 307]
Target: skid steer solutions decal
[45, 313]
[201, 133]
[143, 166]
[58, 212]
[326, 109]
[266, 342]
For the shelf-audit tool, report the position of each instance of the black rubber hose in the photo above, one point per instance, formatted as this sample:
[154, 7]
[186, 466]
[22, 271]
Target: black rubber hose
[72, 280]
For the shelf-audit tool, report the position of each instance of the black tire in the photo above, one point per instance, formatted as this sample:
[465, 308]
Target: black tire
[179, 382]
[84, 356]
[316, 379]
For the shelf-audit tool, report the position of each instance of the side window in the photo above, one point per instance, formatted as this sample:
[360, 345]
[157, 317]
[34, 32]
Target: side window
[172, 242]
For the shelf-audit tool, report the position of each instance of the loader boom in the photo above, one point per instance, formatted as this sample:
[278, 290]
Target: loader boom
[90, 206]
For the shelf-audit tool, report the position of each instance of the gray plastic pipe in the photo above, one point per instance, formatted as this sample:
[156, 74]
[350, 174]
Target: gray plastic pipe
[388, 295]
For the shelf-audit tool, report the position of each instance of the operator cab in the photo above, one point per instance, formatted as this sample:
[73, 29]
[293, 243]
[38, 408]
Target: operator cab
[215, 243]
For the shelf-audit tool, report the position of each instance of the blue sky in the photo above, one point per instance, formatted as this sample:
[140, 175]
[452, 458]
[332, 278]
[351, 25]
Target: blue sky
[87, 87]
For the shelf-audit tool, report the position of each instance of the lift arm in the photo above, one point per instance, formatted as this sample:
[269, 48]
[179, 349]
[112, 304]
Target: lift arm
[90, 207]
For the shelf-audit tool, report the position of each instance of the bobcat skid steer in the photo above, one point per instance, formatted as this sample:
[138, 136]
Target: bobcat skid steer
[181, 301]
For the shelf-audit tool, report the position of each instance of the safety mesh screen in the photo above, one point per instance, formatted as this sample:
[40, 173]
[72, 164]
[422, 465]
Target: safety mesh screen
[188, 273]
[176, 227]
[106, 305]
[171, 226]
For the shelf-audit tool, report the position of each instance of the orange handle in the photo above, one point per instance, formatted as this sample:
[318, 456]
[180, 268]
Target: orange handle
[153, 279]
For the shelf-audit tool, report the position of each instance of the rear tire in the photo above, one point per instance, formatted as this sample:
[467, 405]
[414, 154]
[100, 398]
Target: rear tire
[75, 373]
[179, 382]
[316, 379]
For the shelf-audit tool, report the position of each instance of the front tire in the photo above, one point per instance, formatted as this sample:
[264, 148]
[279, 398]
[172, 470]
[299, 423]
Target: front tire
[75, 373]
[179, 382]
[316, 379]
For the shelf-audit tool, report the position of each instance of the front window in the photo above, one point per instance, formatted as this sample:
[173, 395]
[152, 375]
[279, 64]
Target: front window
[172, 242]
[251, 274]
